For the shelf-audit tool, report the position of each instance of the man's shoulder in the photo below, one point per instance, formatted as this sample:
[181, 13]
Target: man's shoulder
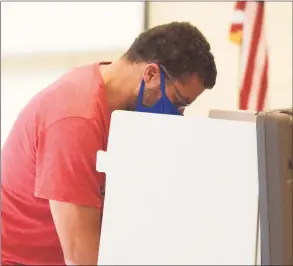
[78, 93]
[79, 81]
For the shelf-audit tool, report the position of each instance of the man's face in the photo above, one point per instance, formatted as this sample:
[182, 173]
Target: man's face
[181, 92]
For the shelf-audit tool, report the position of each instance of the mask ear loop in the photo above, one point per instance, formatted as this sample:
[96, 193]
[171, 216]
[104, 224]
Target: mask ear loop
[162, 81]
[141, 90]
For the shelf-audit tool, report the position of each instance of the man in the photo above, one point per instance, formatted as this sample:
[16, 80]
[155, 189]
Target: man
[52, 195]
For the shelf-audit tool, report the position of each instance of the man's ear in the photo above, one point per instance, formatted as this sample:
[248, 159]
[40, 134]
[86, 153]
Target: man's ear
[151, 75]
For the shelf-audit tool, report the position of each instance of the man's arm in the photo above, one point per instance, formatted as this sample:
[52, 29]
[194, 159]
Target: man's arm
[66, 176]
[78, 230]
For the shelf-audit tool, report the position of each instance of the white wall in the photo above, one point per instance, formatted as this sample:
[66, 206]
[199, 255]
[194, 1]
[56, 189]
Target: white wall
[214, 19]
[41, 41]
[24, 75]
[30, 27]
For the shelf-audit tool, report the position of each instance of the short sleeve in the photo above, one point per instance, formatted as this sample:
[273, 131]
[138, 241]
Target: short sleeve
[66, 163]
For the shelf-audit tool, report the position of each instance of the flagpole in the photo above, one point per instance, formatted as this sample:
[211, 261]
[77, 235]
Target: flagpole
[146, 15]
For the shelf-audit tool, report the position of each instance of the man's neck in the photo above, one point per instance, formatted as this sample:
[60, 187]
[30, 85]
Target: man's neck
[121, 81]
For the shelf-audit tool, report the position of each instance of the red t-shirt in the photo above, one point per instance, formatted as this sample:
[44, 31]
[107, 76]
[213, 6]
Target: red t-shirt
[51, 154]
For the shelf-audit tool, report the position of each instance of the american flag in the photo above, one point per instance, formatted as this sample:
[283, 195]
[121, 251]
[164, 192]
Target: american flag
[247, 30]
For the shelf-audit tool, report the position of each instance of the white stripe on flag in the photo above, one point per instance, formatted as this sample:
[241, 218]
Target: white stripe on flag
[249, 21]
[259, 61]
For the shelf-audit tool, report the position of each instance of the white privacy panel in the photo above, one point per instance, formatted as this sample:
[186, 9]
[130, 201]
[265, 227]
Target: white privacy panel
[69, 26]
[180, 190]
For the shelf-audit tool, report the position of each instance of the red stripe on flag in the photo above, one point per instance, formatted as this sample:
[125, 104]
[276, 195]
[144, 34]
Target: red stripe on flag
[248, 76]
[236, 27]
[240, 5]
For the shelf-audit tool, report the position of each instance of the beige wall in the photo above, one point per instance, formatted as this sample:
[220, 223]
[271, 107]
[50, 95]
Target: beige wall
[22, 77]
[214, 20]
[35, 53]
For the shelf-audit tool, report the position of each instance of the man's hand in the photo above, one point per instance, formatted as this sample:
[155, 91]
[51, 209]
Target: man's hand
[78, 228]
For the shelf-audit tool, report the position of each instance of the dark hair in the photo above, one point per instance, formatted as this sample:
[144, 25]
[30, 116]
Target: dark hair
[180, 47]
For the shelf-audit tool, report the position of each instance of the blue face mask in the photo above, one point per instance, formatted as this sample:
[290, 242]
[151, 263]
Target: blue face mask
[162, 106]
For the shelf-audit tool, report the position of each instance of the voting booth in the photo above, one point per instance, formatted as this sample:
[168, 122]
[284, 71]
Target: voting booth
[182, 191]
[275, 174]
